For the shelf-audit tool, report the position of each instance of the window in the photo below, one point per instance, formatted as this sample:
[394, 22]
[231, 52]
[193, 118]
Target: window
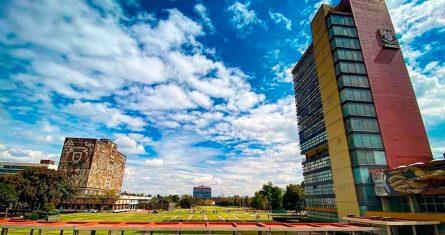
[365, 141]
[349, 67]
[340, 20]
[363, 157]
[352, 81]
[342, 31]
[431, 204]
[358, 109]
[362, 176]
[366, 193]
[344, 54]
[355, 95]
[348, 43]
[399, 204]
[361, 124]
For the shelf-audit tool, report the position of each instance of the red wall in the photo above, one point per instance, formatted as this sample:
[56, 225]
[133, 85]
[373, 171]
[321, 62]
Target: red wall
[401, 124]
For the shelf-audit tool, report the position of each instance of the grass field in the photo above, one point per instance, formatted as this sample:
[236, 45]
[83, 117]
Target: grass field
[222, 214]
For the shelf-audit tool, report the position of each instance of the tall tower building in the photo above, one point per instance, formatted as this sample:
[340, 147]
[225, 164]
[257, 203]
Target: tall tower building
[356, 107]
[92, 166]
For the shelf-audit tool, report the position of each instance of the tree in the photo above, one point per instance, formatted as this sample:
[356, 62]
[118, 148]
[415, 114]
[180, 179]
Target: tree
[260, 202]
[186, 201]
[274, 195]
[36, 186]
[293, 198]
[8, 196]
[108, 197]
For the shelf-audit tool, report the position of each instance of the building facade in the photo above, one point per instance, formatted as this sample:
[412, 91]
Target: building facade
[356, 108]
[203, 192]
[92, 165]
[7, 168]
[131, 203]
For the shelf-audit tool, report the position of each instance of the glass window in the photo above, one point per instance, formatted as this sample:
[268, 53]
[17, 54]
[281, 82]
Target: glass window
[342, 31]
[366, 193]
[344, 54]
[340, 20]
[350, 67]
[365, 141]
[363, 157]
[361, 124]
[348, 43]
[355, 95]
[358, 109]
[399, 204]
[362, 176]
[352, 81]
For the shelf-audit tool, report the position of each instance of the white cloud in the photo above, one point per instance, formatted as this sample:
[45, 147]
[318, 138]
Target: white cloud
[97, 76]
[202, 12]
[127, 144]
[154, 162]
[413, 19]
[14, 154]
[243, 18]
[103, 113]
[279, 18]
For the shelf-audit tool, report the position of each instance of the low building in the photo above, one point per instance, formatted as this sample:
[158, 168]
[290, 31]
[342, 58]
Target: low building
[131, 202]
[414, 192]
[14, 167]
[203, 192]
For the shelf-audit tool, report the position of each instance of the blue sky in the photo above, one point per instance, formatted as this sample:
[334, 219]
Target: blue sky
[193, 92]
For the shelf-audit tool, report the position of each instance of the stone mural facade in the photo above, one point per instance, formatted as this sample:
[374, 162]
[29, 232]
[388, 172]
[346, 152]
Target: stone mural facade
[92, 165]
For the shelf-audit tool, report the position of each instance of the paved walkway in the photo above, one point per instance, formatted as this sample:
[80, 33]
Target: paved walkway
[190, 217]
[205, 218]
[221, 218]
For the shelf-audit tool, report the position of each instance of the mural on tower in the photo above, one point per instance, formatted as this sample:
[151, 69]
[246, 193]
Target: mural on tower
[92, 165]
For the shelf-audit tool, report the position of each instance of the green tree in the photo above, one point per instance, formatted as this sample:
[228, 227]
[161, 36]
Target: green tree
[293, 198]
[8, 196]
[186, 201]
[107, 198]
[260, 201]
[274, 195]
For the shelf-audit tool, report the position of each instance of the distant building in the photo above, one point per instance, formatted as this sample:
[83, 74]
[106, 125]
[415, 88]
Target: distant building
[203, 192]
[131, 202]
[14, 167]
[92, 165]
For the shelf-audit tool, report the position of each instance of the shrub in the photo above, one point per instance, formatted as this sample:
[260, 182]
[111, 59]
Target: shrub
[54, 212]
[32, 216]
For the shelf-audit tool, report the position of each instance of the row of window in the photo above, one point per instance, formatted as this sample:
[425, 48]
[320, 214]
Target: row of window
[325, 202]
[352, 81]
[320, 215]
[316, 140]
[318, 177]
[365, 157]
[365, 141]
[348, 43]
[350, 67]
[340, 20]
[358, 109]
[321, 189]
[431, 204]
[317, 164]
[342, 31]
[344, 54]
[355, 95]
[362, 124]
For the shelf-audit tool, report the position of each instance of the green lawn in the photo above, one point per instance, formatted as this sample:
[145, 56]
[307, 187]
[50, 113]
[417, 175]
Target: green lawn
[222, 214]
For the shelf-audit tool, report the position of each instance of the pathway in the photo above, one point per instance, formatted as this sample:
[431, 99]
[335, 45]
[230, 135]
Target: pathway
[190, 217]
